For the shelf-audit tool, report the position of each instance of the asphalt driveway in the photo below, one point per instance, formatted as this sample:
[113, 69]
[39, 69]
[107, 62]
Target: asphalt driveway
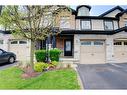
[103, 76]
[7, 65]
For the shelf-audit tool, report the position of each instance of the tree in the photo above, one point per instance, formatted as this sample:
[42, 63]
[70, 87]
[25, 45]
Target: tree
[31, 22]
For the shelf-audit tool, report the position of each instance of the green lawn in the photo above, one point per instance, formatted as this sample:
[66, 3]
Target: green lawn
[60, 79]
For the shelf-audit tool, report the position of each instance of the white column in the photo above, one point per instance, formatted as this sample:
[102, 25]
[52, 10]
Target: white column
[109, 50]
[76, 47]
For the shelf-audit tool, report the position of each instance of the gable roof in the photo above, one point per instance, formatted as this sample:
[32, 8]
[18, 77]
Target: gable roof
[87, 6]
[111, 10]
[121, 13]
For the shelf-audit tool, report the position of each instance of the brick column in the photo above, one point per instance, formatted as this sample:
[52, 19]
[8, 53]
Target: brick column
[76, 47]
[109, 50]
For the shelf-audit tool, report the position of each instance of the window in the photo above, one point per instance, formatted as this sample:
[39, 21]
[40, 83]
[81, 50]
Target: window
[125, 23]
[125, 43]
[85, 24]
[65, 22]
[108, 25]
[98, 42]
[85, 42]
[14, 42]
[1, 41]
[118, 43]
[83, 11]
[22, 42]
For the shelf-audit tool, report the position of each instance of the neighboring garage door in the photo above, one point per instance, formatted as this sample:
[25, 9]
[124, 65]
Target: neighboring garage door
[20, 48]
[92, 52]
[120, 51]
[1, 44]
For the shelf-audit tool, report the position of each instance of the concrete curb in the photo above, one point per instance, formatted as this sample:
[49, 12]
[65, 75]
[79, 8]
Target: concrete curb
[78, 77]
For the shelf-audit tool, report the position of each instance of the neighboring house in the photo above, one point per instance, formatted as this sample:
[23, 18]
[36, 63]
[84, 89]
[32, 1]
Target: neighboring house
[84, 38]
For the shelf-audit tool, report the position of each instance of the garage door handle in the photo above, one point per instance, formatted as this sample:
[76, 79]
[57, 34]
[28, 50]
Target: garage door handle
[92, 54]
[122, 53]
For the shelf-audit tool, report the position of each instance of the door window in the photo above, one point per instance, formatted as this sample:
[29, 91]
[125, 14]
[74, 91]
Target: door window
[68, 45]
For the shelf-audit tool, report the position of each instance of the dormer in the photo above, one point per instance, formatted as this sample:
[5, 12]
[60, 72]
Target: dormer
[83, 10]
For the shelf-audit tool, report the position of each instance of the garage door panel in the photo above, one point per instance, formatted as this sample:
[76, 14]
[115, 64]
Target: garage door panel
[92, 54]
[86, 49]
[120, 52]
[19, 47]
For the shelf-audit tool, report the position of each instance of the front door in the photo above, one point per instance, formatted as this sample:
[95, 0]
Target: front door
[68, 47]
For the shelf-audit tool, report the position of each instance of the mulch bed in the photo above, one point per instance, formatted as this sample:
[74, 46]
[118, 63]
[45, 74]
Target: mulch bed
[29, 73]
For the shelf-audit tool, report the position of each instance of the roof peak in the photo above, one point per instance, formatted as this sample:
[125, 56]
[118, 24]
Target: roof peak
[87, 6]
[114, 8]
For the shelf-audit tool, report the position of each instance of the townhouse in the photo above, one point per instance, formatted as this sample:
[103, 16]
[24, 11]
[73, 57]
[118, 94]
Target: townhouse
[84, 39]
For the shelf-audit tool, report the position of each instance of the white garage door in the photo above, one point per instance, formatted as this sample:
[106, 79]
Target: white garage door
[20, 48]
[1, 44]
[120, 51]
[92, 52]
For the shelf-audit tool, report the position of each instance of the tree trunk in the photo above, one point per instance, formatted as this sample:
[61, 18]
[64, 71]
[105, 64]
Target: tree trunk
[32, 48]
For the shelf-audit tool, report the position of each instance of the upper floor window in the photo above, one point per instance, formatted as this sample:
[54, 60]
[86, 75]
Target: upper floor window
[108, 25]
[83, 11]
[65, 22]
[85, 24]
[125, 23]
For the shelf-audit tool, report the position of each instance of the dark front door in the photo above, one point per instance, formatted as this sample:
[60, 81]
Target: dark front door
[68, 48]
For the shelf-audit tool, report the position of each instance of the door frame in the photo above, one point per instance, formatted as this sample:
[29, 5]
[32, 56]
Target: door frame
[68, 53]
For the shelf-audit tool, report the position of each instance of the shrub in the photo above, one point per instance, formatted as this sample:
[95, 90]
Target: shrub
[40, 55]
[55, 54]
[55, 63]
[40, 66]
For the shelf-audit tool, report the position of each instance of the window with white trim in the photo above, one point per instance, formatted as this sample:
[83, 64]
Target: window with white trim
[65, 22]
[85, 24]
[125, 23]
[108, 25]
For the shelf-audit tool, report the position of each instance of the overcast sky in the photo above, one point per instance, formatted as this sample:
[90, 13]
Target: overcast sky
[99, 9]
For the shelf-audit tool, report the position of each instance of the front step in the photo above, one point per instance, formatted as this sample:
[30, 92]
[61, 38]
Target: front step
[65, 62]
[69, 60]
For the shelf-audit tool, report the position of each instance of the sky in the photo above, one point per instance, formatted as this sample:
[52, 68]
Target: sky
[99, 9]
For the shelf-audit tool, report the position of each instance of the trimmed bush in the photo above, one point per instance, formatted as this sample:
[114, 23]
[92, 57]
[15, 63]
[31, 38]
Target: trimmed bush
[40, 66]
[40, 55]
[55, 54]
[55, 63]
